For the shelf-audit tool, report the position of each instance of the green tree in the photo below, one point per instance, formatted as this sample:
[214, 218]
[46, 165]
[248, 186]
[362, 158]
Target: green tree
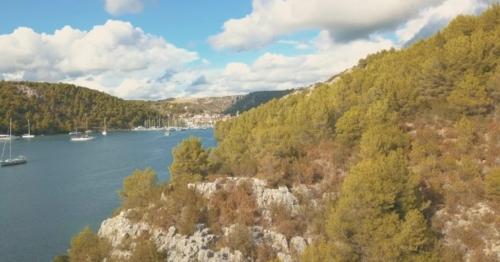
[190, 158]
[349, 127]
[88, 247]
[381, 140]
[378, 213]
[139, 188]
[470, 97]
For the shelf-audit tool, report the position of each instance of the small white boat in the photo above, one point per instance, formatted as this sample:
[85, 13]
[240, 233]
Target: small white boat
[11, 161]
[81, 138]
[28, 135]
[139, 128]
[4, 137]
[14, 161]
[105, 130]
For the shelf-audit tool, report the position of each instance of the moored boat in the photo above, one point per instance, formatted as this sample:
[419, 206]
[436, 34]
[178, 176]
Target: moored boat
[28, 135]
[82, 138]
[11, 161]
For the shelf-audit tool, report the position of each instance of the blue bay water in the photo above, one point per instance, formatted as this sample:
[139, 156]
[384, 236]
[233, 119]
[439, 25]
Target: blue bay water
[68, 185]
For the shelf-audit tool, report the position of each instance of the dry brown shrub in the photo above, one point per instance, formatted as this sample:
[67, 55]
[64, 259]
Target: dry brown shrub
[234, 205]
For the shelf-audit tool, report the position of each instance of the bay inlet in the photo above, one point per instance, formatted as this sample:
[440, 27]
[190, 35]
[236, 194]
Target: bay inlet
[68, 185]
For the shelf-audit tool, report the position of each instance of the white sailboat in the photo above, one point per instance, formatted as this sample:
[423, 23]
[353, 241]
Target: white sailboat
[28, 135]
[79, 137]
[82, 138]
[105, 131]
[11, 161]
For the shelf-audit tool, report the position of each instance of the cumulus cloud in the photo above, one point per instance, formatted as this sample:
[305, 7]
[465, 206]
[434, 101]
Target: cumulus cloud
[433, 19]
[345, 20]
[121, 7]
[122, 60]
[272, 71]
[115, 54]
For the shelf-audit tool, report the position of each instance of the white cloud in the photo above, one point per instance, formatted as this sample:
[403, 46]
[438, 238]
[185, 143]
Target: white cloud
[122, 60]
[273, 71]
[431, 20]
[344, 19]
[106, 57]
[121, 7]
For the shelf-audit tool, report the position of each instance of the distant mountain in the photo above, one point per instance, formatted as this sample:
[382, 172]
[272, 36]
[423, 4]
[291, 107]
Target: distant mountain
[195, 105]
[254, 99]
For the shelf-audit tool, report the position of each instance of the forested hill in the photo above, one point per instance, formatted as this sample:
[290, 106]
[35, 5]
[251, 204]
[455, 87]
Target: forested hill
[408, 140]
[55, 108]
[254, 99]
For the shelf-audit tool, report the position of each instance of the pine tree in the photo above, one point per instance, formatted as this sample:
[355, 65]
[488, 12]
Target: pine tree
[190, 158]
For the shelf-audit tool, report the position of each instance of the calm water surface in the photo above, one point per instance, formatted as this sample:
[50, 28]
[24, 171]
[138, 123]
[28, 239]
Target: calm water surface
[68, 185]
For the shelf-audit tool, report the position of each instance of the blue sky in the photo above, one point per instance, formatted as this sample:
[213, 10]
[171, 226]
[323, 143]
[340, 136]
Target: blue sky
[153, 49]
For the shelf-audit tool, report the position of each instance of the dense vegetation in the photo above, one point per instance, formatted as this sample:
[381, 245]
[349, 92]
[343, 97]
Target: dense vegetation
[255, 99]
[393, 150]
[55, 108]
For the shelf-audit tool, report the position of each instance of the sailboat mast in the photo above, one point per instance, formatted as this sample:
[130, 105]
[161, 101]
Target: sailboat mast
[29, 129]
[10, 139]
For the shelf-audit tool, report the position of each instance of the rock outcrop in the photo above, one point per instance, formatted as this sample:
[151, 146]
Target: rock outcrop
[195, 247]
[121, 231]
[265, 197]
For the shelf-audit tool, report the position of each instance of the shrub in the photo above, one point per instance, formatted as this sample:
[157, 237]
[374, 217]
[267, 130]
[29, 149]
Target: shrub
[285, 223]
[234, 205]
[145, 250]
[240, 238]
[87, 246]
[139, 188]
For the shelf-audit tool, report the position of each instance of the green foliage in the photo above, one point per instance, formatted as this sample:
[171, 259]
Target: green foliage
[350, 126]
[378, 214]
[382, 139]
[318, 252]
[189, 158]
[55, 108]
[88, 247]
[492, 184]
[139, 188]
[470, 97]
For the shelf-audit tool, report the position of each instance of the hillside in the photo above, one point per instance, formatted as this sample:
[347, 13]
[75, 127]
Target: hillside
[254, 99]
[397, 159]
[55, 108]
[195, 105]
